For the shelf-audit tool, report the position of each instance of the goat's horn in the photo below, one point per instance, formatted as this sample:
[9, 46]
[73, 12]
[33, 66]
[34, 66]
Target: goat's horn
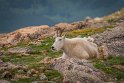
[57, 29]
[61, 31]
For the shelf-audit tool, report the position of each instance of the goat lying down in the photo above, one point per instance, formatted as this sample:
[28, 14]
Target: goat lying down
[81, 48]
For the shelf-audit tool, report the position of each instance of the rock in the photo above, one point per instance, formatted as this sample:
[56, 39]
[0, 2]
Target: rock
[29, 73]
[67, 26]
[1, 52]
[9, 66]
[4, 81]
[114, 39]
[43, 77]
[46, 60]
[32, 72]
[42, 69]
[25, 50]
[18, 76]
[1, 63]
[120, 67]
[7, 74]
[75, 70]
[20, 71]
[37, 43]
[25, 34]
[43, 82]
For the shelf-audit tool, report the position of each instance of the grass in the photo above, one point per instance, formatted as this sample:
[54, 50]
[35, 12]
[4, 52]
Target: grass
[53, 74]
[32, 60]
[115, 17]
[87, 31]
[25, 80]
[108, 66]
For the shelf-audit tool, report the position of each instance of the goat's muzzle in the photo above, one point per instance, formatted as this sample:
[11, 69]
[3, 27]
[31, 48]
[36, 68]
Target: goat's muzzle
[52, 48]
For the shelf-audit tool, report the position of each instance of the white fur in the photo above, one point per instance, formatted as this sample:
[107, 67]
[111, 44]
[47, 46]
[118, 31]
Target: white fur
[80, 48]
[90, 39]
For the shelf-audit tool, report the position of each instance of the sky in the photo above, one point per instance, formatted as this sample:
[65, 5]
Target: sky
[15, 14]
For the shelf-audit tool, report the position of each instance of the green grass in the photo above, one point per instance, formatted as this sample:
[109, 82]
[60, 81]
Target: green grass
[108, 66]
[25, 80]
[53, 74]
[32, 60]
[87, 31]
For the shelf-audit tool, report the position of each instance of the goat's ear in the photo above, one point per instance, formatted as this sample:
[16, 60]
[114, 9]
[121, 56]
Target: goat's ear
[54, 36]
[63, 36]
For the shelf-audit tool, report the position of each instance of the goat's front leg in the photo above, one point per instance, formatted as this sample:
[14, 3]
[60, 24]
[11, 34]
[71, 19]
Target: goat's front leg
[64, 56]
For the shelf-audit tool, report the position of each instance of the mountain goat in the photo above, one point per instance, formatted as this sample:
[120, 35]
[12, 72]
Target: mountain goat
[79, 48]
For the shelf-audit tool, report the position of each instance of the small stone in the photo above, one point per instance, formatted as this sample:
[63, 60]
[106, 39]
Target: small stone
[32, 72]
[43, 77]
[7, 74]
[42, 69]
[25, 50]
[34, 75]
[20, 71]
[4, 81]
[46, 60]
[29, 73]
[35, 82]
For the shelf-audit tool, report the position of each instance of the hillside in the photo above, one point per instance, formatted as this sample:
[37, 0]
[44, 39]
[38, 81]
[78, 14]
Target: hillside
[26, 55]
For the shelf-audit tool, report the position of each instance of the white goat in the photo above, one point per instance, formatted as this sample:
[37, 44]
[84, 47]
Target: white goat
[79, 48]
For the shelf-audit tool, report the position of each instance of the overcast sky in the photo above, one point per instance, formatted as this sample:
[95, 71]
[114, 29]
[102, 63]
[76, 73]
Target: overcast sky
[15, 14]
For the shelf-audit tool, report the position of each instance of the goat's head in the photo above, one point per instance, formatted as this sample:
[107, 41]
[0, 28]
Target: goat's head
[59, 40]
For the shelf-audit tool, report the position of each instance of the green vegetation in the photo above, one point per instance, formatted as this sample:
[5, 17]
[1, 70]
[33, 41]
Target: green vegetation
[25, 80]
[108, 66]
[32, 61]
[87, 31]
[53, 74]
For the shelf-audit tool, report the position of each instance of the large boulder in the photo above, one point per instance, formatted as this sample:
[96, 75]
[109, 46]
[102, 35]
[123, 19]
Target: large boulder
[78, 71]
[114, 38]
[67, 26]
[72, 26]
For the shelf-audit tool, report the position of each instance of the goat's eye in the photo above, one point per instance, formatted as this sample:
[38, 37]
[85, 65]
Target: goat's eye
[60, 39]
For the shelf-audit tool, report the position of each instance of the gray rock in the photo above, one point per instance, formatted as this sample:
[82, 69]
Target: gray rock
[4, 81]
[114, 38]
[1, 52]
[7, 74]
[43, 77]
[25, 50]
[74, 70]
[43, 82]
[32, 72]
[37, 43]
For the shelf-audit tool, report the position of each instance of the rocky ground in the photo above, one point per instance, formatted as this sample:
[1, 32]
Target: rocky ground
[26, 57]
[114, 38]
[79, 71]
